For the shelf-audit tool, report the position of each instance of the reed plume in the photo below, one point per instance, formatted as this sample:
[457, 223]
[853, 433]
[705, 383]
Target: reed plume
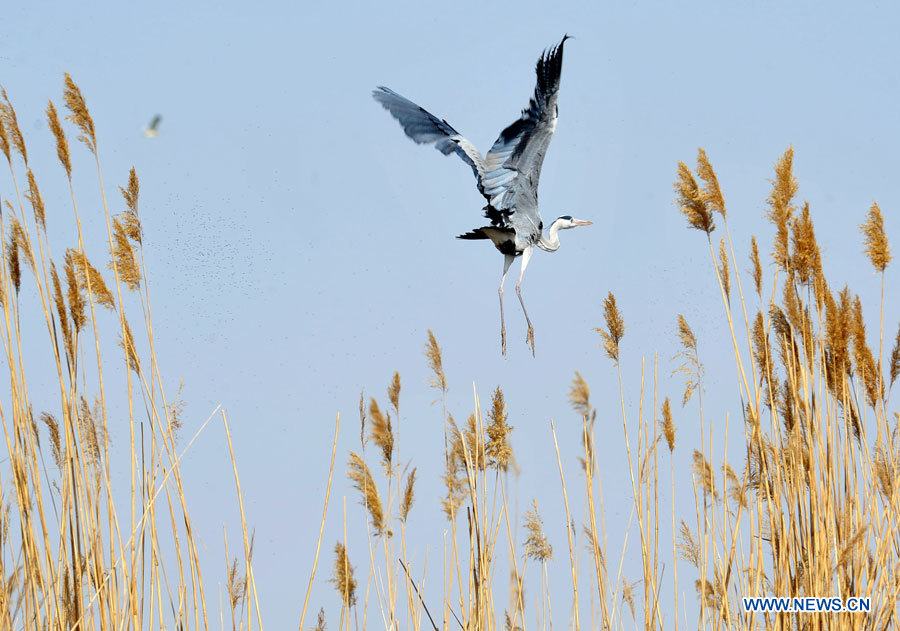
[499, 451]
[877, 247]
[124, 261]
[358, 472]
[89, 431]
[615, 328]
[668, 425]
[756, 270]
[236, 587]
[806, 260]
[436, 363]
[343, 579]
[688, 546]
[382, 434]
[454, 479]
[724, 274]
[703, 472]
[4, 141]
[74, 293]
[62, 143]
[692, 201]
[537, 546]
[866, 366]
[712, 192]
[362, 420]
[131, 192]
[37, 202]
[61, 312]
[12, 259]
[320, 621]
[885, 474]
[708, 591]
[55, 441]
[90, 280]
[79, 113]
[126, 342]
[22, 242]
[628, 597]
[734, 487]
[781, 208]
[895, 359]
[408, 495]
[690, 365]
[394, 392]
[11, 122]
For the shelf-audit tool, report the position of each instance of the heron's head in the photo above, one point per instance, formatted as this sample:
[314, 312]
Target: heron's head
[568, 221]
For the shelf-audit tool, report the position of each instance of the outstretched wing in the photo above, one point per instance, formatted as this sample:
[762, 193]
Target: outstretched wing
[514, 161]
[426, 128]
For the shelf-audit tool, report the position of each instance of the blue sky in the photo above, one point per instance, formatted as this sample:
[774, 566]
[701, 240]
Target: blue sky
[300, 247]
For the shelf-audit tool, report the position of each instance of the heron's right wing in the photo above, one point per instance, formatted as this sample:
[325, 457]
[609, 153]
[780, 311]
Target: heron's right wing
[426, 128]
[514, 162]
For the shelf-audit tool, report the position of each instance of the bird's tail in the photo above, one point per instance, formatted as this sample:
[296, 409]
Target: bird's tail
[477, 233]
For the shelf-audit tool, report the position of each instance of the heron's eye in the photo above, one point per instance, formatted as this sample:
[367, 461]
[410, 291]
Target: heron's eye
[540, 225]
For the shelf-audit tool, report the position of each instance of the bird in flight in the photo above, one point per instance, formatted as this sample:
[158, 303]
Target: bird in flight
[507, 176]
[152, 130]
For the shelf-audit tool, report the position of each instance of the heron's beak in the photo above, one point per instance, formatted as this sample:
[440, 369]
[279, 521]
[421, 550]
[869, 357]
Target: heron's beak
[581, 222]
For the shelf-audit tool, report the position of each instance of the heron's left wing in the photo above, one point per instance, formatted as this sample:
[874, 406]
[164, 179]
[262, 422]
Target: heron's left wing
[423, 127]
[517, 155]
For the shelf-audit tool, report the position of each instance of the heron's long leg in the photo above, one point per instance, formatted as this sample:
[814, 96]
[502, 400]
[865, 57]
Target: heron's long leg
[507, 262]
[526, 256]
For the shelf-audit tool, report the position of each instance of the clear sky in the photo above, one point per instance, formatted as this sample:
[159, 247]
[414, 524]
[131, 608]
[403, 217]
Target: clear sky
[300, 246]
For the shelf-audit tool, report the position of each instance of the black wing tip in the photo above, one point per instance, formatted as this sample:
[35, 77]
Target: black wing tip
[549, 66]
[551, 54]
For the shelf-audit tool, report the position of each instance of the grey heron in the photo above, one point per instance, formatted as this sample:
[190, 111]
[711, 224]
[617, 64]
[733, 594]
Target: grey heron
[507, 176]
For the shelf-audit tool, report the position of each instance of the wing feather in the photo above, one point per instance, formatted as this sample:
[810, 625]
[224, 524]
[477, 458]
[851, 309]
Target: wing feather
[424, 128]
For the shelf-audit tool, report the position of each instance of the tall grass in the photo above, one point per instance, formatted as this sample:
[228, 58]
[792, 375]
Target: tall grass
[807, 506]
[76, 550]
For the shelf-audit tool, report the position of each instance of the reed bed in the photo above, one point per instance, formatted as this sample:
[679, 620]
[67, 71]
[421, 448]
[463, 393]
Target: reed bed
[76, 550]
[795, 492]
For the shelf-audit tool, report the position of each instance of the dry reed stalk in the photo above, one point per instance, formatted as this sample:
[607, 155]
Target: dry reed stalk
[570, 535]
[248, 547]
[312, 573]
[579, 397]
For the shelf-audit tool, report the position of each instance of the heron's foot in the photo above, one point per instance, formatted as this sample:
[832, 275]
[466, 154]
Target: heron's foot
[530, 339]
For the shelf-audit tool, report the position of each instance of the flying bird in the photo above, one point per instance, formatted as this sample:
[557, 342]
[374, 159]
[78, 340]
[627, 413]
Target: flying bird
[152, 130]
[507, 176]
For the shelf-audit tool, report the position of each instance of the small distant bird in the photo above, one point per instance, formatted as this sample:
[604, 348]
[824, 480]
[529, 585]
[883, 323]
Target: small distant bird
[152, 130]
[507, 176]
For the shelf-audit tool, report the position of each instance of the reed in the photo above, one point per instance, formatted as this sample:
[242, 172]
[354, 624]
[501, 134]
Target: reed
[78, 551]
[798, 498]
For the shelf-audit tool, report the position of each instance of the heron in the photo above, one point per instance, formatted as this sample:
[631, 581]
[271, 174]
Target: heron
[507, 176]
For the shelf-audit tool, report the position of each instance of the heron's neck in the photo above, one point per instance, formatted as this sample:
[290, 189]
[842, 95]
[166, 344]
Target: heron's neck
[550, 243]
